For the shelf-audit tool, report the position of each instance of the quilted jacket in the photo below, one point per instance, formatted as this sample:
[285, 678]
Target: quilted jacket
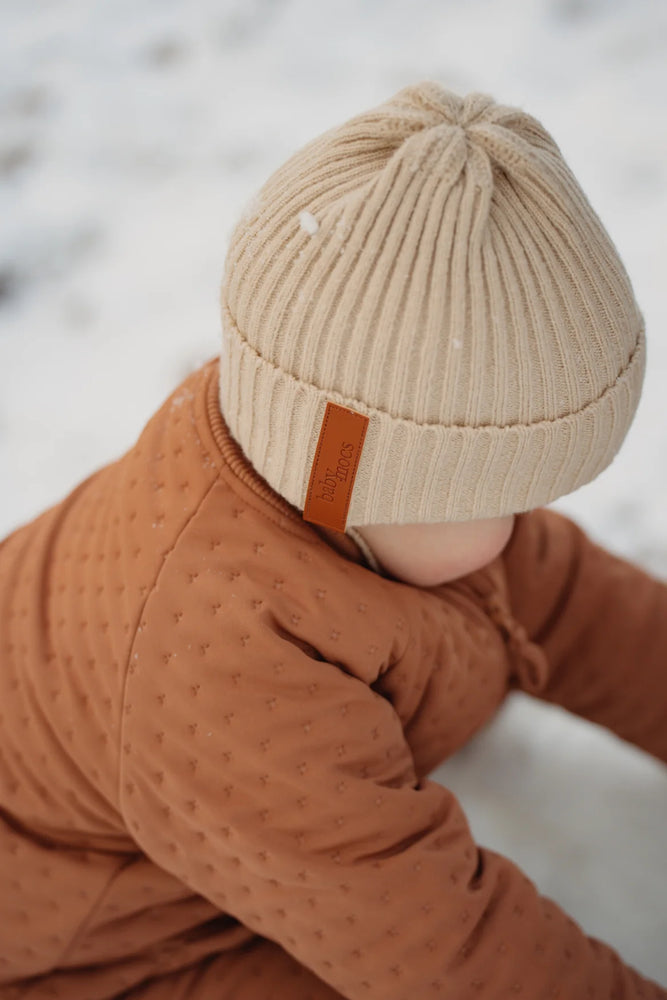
[218, 724]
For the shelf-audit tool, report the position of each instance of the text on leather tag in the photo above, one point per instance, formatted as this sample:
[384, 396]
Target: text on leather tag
[335, 466]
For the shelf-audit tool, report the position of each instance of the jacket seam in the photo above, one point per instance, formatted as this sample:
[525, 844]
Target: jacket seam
[81, 927]
[121, 731]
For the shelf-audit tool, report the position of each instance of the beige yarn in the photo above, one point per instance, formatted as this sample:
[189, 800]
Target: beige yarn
[434, 264]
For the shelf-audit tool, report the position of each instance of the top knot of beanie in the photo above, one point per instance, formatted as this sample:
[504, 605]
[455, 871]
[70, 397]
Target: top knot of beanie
[434, 265]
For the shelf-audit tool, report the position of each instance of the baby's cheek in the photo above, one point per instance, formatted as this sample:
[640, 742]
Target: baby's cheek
[495, 536]
[508, 530]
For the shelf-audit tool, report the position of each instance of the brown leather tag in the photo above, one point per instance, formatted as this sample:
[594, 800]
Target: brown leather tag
[335, 466]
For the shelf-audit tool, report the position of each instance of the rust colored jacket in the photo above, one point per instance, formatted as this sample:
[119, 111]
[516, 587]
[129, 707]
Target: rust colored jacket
[218, 724]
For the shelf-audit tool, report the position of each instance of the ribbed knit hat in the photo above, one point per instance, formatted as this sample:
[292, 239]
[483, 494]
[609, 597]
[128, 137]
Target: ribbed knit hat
[424, 319]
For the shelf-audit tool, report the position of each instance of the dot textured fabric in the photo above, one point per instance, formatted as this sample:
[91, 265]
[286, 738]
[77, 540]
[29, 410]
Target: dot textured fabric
[433, 264]
[218, 725]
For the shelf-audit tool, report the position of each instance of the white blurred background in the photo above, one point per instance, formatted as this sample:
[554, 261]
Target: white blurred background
[133, 133]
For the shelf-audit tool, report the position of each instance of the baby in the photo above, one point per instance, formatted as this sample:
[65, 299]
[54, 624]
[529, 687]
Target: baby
[230, 660]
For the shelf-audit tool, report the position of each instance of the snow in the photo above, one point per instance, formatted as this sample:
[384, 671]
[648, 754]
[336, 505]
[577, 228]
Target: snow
[308, 223]
[135, 134]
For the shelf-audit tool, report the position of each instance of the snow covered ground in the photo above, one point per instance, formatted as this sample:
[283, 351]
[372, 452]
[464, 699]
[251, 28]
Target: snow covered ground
[133, 133]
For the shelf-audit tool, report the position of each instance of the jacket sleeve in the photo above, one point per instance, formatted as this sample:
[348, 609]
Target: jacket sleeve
[601, 622]
[282, 788]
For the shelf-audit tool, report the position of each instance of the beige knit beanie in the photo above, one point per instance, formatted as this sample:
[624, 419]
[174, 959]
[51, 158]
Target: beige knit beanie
[425, 320]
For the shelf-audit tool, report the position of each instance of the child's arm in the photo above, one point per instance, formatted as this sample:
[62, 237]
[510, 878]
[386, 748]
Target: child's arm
[271, 779]
[600, 620]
